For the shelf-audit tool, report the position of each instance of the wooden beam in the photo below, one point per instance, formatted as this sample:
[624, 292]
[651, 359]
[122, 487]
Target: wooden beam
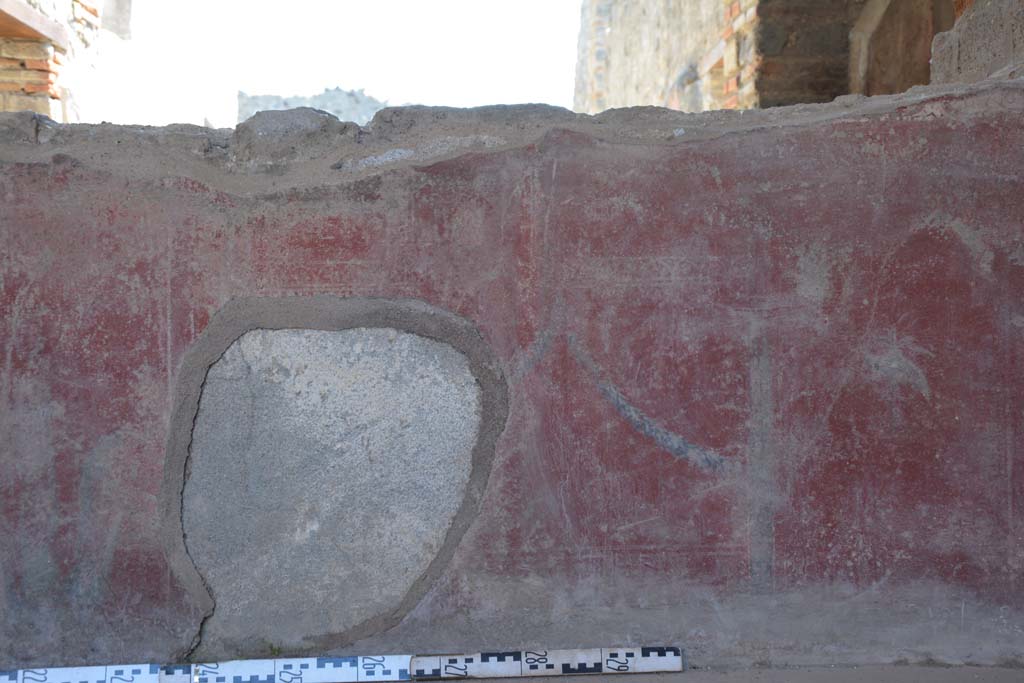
[19, 20]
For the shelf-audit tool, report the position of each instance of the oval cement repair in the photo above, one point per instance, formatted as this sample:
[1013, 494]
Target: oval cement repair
[325, 470]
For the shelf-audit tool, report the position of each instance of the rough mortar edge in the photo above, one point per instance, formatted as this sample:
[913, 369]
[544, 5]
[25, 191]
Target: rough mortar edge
[274, 151]
[329, 313]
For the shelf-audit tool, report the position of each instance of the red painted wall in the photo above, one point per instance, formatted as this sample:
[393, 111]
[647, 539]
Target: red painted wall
[769, 363]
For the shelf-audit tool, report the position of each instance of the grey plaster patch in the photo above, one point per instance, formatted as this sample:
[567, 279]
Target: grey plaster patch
[336, 457]
[326, 469]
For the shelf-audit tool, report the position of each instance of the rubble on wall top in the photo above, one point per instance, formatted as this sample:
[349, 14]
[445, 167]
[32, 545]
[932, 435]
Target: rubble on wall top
[298, 146]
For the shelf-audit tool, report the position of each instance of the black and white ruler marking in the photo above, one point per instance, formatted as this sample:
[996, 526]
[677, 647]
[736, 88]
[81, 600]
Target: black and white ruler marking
[119, 673]
[306, 670]
[370, 669]
[515, 664]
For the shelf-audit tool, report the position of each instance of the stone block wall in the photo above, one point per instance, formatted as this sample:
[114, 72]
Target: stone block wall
[988, 40]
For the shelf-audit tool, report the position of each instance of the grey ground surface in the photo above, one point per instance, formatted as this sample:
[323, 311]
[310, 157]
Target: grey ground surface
[326, 469]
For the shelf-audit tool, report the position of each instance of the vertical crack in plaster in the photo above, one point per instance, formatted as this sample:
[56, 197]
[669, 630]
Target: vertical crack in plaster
[197, 639]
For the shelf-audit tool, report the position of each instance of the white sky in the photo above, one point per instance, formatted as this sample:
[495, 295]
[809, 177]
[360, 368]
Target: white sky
[187, 58]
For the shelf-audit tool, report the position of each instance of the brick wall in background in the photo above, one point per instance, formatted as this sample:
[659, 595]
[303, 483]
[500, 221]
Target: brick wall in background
[28, 76]
[729, 69]
[699, 55]
[805, 50]
[33, 70]
[644, 52]
[962, 5]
